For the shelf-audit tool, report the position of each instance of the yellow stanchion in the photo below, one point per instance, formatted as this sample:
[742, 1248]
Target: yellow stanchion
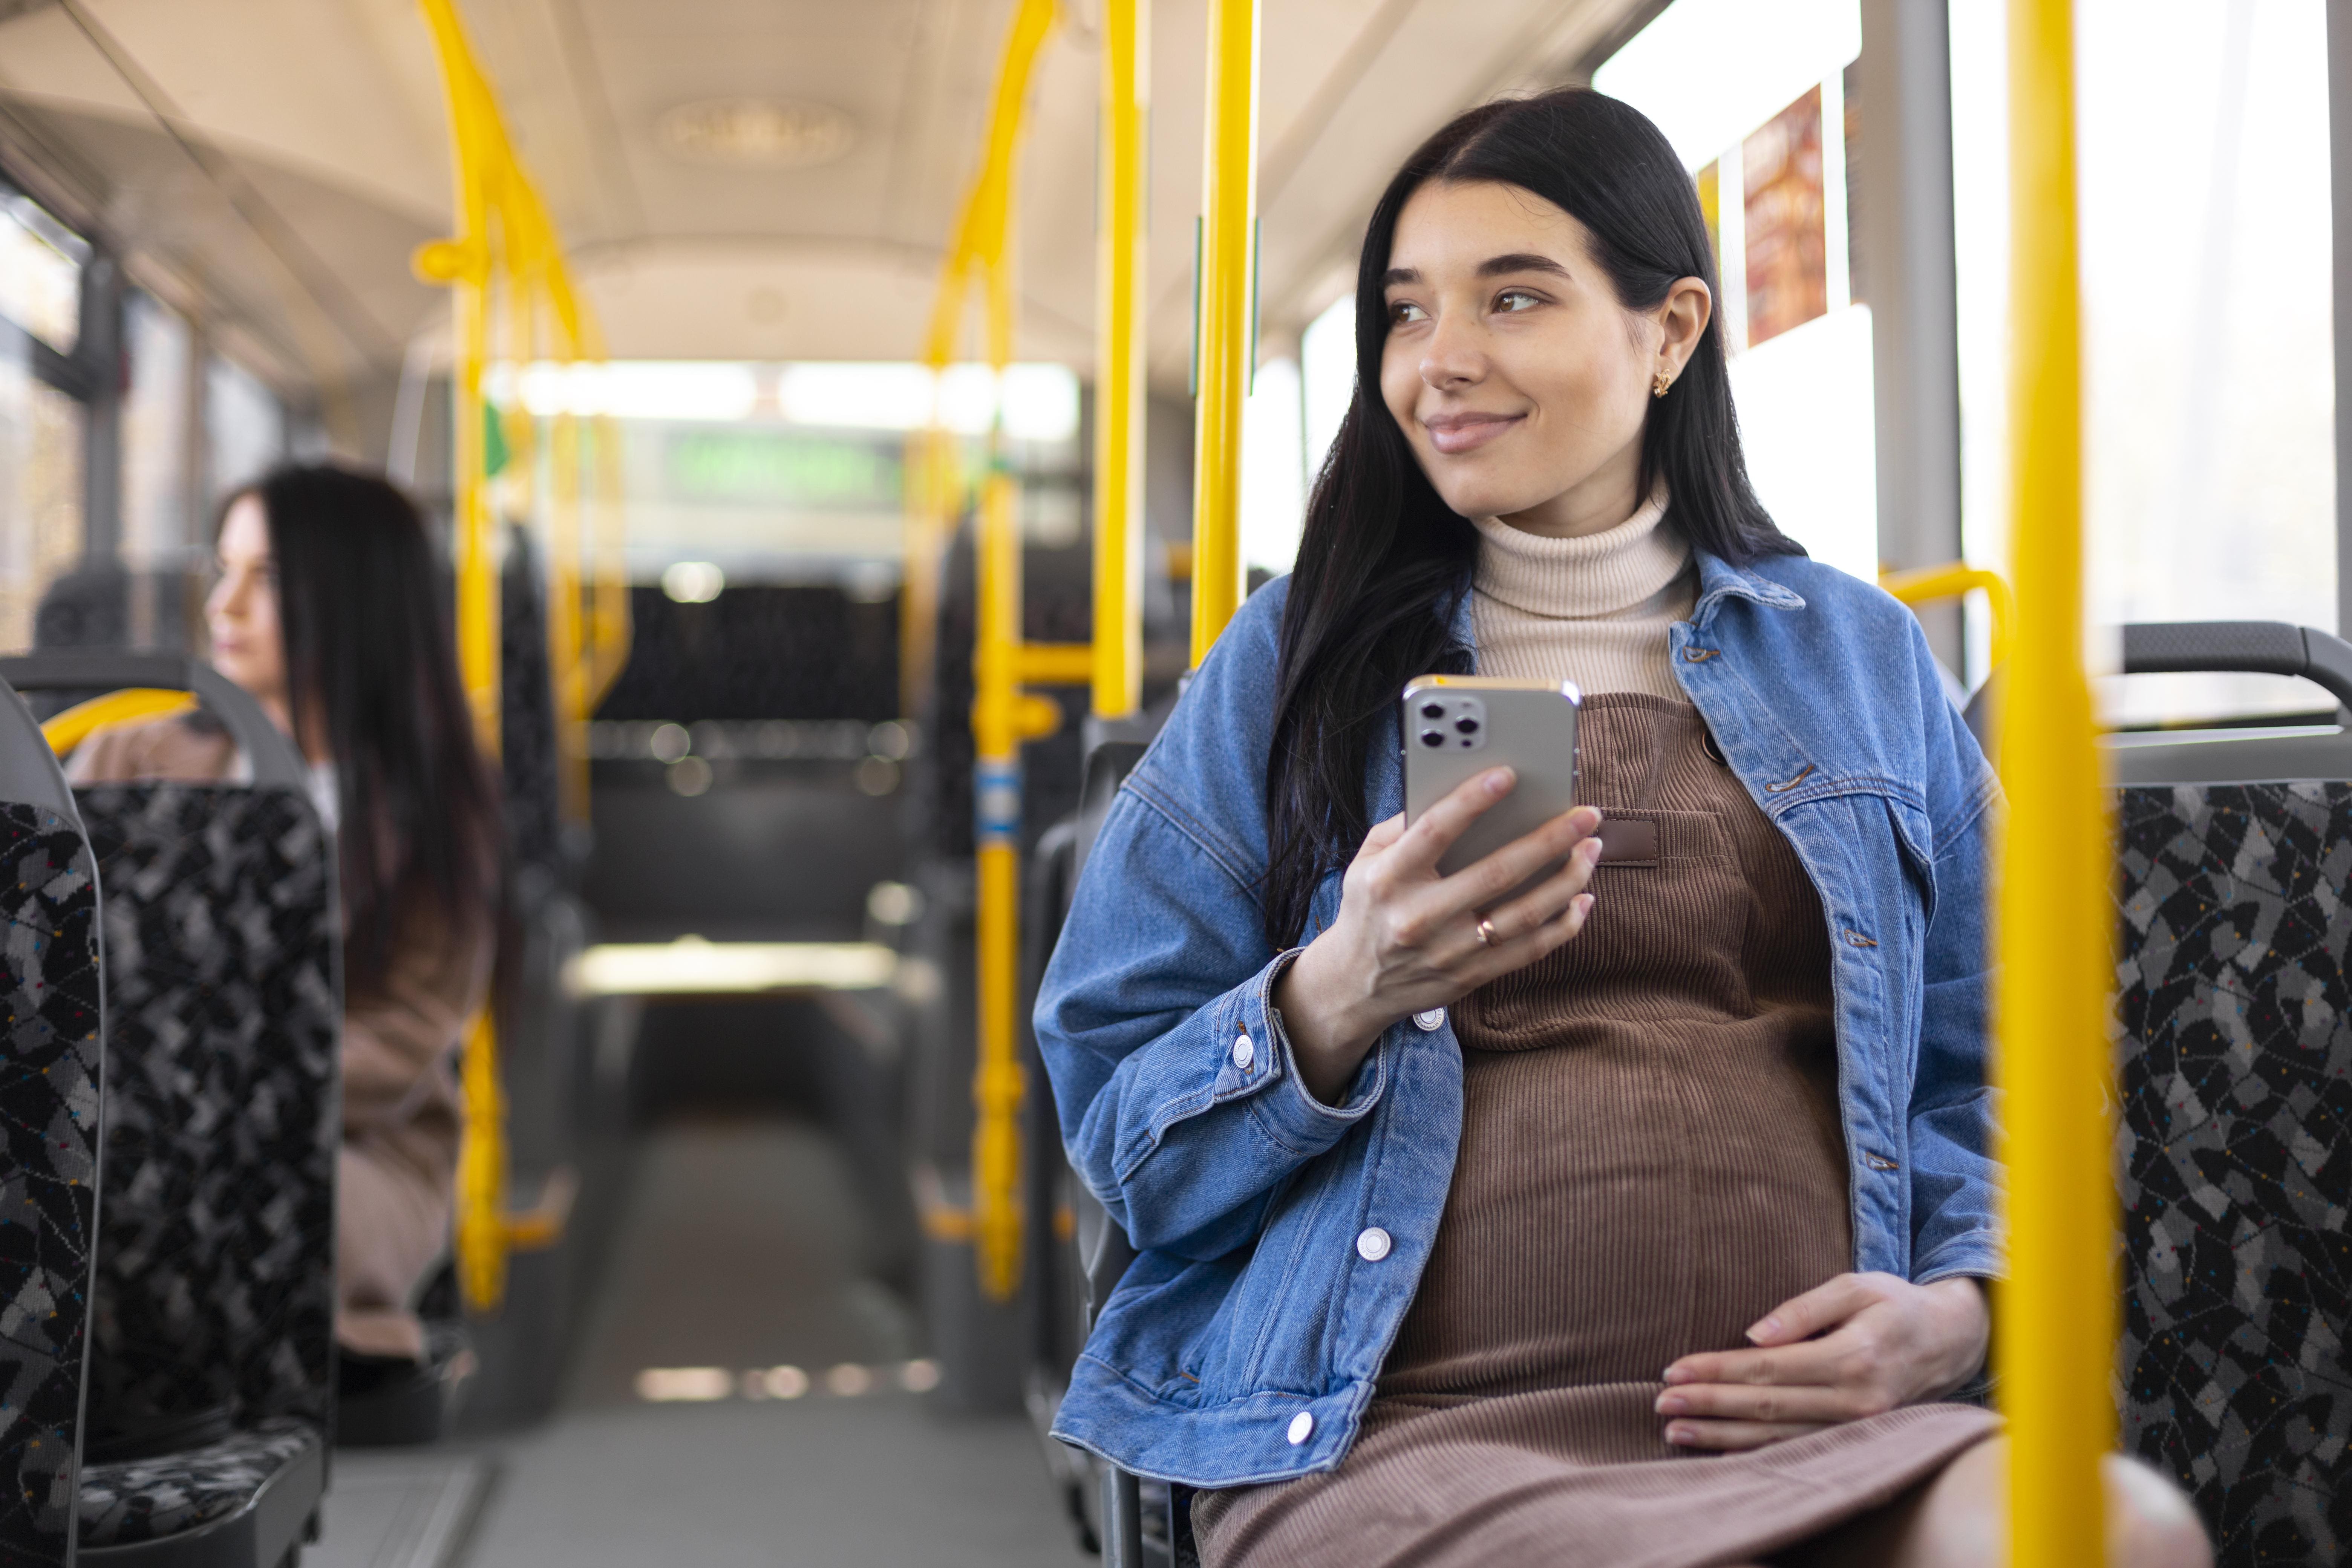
[1125, 143]
[1226, 337]
[481, 1241]
[2055, 916]
[1002, 716]
[506, 272]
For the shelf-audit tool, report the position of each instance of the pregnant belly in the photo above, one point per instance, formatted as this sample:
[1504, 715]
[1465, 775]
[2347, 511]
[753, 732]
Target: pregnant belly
[1620, 1200]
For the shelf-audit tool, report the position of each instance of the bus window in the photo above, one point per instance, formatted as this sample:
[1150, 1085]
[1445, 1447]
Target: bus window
[1754, 95]
[245, 426]
[41, 422]
[2209, 386]
[159, 544]
[40, 272]
[1273, 474]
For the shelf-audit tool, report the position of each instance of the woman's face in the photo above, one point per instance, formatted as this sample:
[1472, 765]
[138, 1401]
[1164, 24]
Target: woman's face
[1520, 380]
[241, 613]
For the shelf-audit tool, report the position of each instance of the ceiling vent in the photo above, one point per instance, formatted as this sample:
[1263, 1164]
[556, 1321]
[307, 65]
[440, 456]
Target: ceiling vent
[756, 132]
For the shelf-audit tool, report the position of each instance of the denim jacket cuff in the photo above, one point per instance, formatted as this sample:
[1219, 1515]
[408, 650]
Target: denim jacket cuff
[1289, 1108]
[1979, 1255]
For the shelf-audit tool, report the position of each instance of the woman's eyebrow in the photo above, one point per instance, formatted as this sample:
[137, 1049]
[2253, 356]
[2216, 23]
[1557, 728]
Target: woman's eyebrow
[1520, 261]
[1493, 266]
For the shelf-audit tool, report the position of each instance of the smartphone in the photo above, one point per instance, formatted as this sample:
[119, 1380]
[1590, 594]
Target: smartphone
[1458, 726]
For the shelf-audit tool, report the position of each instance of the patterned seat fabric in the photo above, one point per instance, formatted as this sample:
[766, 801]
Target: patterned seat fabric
[215, 1272]
[48, 1118]
[140, 1499]
[2234, 1014]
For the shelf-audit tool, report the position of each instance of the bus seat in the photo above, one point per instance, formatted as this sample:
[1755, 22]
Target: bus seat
[1134, 1523]
[2234, 1076]
[212, 1350]
[48, 899]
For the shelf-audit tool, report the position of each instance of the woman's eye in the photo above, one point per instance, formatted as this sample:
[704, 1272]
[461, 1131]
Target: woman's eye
[1515, 299]
[1405, 310]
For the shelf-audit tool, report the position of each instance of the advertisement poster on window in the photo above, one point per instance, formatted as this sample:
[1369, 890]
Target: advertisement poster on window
[1786, 220]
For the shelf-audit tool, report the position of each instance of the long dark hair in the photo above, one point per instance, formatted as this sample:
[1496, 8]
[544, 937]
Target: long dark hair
[371, 658]
[1383, 561]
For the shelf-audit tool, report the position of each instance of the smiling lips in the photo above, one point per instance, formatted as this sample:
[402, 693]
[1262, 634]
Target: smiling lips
[1453, 433]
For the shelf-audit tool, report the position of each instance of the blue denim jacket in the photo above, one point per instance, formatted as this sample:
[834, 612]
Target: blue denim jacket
[1246, 1340]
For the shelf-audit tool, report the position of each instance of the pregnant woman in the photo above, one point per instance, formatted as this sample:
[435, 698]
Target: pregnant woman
[1644, 1216]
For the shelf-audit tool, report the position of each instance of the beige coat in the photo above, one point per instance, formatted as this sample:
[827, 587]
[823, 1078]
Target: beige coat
[401, 1111]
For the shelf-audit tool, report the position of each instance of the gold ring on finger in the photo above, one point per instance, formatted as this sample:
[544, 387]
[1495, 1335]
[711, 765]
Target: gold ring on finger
[1485, 931]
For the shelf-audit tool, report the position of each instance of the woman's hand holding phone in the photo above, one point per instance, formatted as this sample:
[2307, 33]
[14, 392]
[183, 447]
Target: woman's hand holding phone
[1407, 940]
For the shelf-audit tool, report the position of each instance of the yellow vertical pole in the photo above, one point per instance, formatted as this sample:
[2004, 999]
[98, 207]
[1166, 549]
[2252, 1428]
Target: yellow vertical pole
[506, 259]
[1001, 717]
[1119, 373]
[478, 600]
[931, 483]
[998, 1080]
[1227, 290]
[2055, 916]
[466, 264]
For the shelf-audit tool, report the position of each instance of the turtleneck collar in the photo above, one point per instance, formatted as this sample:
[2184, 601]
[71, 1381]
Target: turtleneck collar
[1624, 570]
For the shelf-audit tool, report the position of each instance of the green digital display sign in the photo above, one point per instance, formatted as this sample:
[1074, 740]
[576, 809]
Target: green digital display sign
[783, 468]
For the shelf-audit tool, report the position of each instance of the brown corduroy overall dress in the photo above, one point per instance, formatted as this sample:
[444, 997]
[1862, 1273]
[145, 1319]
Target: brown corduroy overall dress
[1652, 1159]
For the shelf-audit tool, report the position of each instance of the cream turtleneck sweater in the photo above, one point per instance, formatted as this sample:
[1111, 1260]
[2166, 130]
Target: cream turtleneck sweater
[1595, 610]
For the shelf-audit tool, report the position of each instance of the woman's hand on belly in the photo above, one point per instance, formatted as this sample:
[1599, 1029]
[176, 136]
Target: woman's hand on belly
[1860, 1345]
[1407, 940]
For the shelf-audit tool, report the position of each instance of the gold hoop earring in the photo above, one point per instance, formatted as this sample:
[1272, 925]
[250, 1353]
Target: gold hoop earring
[1659, 383]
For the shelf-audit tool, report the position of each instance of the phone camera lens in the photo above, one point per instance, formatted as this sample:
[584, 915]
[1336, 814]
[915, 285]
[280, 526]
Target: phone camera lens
[1468, 726]
[1432, 738]
[1433, 711]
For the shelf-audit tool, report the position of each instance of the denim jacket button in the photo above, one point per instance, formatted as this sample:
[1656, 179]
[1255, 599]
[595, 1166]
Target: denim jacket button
[1243, 1052]
[1428, 1022]
[1372, 1243]
[1302, 1427]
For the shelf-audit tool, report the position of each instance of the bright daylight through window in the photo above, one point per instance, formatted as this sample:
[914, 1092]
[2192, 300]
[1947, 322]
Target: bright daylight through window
[2209, 482]
[1754, 94]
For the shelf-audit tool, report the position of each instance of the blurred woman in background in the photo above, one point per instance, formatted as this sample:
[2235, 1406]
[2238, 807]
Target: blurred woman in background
[328, 612]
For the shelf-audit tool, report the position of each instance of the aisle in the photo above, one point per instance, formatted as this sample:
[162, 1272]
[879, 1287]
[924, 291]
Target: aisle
[739, 1252]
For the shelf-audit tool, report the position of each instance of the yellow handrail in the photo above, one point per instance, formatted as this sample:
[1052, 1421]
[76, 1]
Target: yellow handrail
[1118, 358]
[1926, 584]
[1228, 288]
[70, 728]
[1002, 715]
[2057, 1335]
[508, 279]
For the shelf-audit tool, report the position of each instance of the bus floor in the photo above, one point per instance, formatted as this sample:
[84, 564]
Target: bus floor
[737, 1253]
